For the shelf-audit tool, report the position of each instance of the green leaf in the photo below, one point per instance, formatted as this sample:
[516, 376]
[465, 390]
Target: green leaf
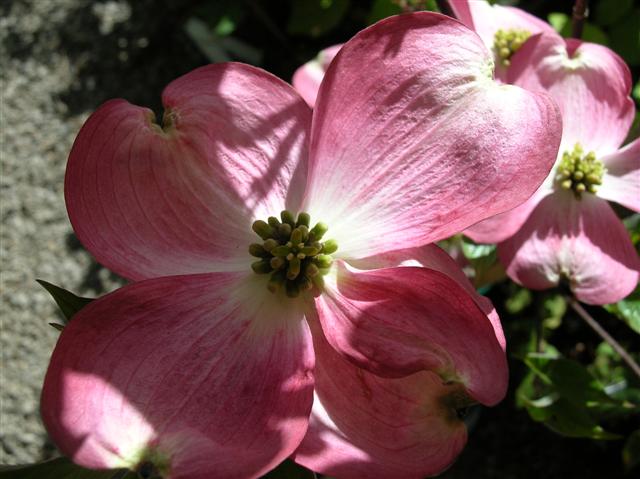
[558, 21]
[625, 37]
[476, 251]
[572, 381]
[68, 302]
[631, 451]
[61, 468]
[563, 417]
[607, 14]
[315, 17]
[518, 301]
[628, 310]
[563, 395]
[555, 307]
[226, 26]
[290, 470]
[590, 32]
[382, 9]
[594, 34]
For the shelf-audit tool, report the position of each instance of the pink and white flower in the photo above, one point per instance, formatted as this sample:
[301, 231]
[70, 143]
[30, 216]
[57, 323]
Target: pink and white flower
[308, 77]
[503, 29]
[567, 230]
[203, 368]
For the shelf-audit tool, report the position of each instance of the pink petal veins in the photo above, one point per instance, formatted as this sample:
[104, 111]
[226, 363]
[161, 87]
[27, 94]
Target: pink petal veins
[181, 371]
[500, 227]
[621, 182]
[363, 425]
[306, 79]
[487, 19]
[433, 257]
[411, 145]
[590, 83]
[398, 321]
[582, 242]
[147, 202]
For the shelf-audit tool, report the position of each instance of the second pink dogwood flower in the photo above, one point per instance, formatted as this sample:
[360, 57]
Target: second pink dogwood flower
[567, 231]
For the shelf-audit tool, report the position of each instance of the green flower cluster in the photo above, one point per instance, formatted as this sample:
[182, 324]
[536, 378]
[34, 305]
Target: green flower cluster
[507, 42]
[579, 172]
[292, 253]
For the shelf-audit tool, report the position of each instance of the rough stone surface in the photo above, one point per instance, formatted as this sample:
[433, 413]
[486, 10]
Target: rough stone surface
[59, 60]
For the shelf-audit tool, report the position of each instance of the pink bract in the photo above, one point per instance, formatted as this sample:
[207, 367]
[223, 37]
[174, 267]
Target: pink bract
[199, 370]
[306, 79]
[557, 236]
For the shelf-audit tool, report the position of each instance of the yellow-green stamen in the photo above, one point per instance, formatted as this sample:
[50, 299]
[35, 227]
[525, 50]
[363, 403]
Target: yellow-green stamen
[507, 42]
[292, 253]
[579, 172]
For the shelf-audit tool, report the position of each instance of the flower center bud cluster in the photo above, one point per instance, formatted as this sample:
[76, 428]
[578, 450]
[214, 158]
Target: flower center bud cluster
[507, 42]
[292, 253]
[579, 172]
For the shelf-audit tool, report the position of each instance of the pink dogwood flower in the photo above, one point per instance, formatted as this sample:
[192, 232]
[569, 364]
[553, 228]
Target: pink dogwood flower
[567, 230]
[503, 29]
[355, 353]
[308, 77]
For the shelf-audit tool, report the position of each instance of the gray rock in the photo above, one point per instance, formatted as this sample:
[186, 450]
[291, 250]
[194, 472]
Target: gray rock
[59, 60]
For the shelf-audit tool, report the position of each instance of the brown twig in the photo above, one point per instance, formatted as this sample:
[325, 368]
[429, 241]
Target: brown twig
[578, 17]
[626, 357]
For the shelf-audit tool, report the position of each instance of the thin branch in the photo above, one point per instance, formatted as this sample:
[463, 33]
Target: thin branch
[578, 18]
[626, 357]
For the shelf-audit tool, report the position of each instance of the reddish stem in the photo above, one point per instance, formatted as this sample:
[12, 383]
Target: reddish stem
[578, 17]
[626, 357]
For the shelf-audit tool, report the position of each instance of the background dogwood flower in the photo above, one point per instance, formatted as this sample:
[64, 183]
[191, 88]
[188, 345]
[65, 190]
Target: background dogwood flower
[503, 29]
[306, 79]
[567, 230]
[203, 368]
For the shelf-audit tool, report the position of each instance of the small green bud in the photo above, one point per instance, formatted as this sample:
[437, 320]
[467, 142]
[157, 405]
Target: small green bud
[273, 222]
[258, 250]
[330, 246]
[294, 268]
[284, 231]
[262, 229]
[305, 232]
[269, 244]
[593, 178]
[318, 231]
[282, 251]
[310, 250]
[296, 236]
[261, 267]
[277, 262]
[311, 270]
[303, 220]
[287, 217]
[323, 261]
